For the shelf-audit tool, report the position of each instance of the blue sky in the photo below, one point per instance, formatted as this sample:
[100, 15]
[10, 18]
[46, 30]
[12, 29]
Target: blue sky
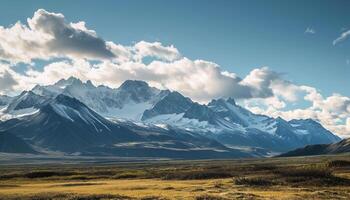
[238, 35]
[276, 57]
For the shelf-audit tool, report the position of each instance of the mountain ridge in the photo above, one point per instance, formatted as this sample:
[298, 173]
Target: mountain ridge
[220, 120]
[321, 149]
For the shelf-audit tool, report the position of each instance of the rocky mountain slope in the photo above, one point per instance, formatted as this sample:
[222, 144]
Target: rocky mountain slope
[75, 116]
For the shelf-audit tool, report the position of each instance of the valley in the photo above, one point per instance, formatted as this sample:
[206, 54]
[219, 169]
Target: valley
[318, 177]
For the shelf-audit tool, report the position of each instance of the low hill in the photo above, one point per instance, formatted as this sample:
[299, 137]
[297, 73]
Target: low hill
[321, 149]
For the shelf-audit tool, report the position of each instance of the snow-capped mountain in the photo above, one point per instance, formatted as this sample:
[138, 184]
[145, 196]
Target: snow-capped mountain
[82, 111]
[128, 101]
[233, 125]
[27, 103]
[64, 124]
[25, 100]
[4, 100]
[67, 125]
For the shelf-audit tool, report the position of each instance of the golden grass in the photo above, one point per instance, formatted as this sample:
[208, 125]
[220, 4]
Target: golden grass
[252, 179]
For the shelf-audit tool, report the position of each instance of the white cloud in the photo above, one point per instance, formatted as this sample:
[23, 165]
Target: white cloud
[198, 79]
[7, 81]
[156, 49]
[267, 83]
[342, 37]
[310, 30]
[48, 35]
[201, 80]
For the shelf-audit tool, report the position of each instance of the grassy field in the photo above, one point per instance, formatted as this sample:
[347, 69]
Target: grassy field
[326, 177]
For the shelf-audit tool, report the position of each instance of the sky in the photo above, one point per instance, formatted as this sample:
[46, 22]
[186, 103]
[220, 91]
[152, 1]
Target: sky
[277, 57]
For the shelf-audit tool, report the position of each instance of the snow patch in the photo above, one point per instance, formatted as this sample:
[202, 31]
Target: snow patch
[17, 113]
[132, 111]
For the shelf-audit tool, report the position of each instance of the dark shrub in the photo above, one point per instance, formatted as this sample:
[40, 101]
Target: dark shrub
[209, 197]
[255, 181]
[44, 174]
[311, 171]
[339, 163]
[196, 175]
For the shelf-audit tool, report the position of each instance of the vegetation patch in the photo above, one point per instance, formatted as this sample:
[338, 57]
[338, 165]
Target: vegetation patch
[209, 197]
[338, 163]
[8, 185]
[63, 196]
[315, 174]
[309, 171]
[130, 174]
[78, 184]
[45, 174]
[197, 175]
[153, 198]
[253, 181]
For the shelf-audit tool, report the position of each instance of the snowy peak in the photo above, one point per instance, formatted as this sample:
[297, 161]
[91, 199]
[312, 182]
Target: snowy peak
[62, 86]
[136, 91]
[316, 130]
[231, 101]
[67, 101]
[75, 111]
[171, 103]
[134, 85]
[304, 122]
[228, 110]
[25, 100]
[201, 113]
[63, 83]
[132, 95]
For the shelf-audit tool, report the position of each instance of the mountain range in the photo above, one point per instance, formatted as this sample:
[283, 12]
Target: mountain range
[320, 149]
[136, 120]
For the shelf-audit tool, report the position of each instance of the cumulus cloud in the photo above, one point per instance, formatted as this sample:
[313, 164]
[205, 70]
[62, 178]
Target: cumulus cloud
[7, 79]
[201, 80]
[49, 35]
[198, 79]
[342, 37]
[267, 83]
[156, 49]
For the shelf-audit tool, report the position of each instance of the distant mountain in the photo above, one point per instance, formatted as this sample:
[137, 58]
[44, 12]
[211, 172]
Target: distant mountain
[232, 125]
[9, 143]
[312, 132]
[67, 125]
[128, 101]
[26, 103]
[25, 100]
[321, 149]
[75, 116]
[171, 103]
[4, 100]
